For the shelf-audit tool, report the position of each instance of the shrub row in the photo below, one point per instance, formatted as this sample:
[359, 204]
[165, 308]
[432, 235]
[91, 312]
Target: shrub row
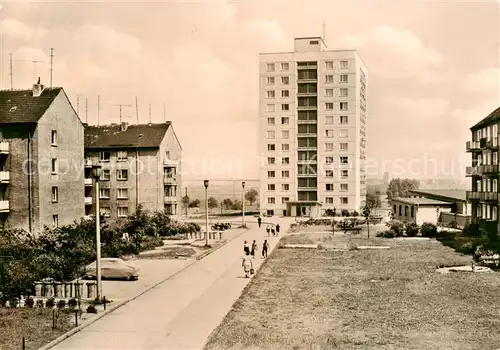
[410, 229]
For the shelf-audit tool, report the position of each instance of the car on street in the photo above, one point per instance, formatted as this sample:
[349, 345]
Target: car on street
[112, 268]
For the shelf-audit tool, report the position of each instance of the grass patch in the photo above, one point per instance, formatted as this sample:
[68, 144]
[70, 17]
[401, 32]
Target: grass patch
[169, 253]
[303, 299]
[33, 324]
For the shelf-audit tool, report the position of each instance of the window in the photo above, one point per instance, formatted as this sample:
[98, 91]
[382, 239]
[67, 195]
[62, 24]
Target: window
[285, 80]
[344, 64]
[344, 200]
[54, 166]
[53, 138]
[329, 106]
[343, 106]
[122, 193]
[285, 160]
[329, 173]
[344, 187]
[285, 120]
[271, 187]
[104, 156]
[285, 173]
[270, 108]
[270, 67]
[271, 147]
[270, 121]
[271, 174]
[328, 79]
[285, 187]
[270, 94]
[285, 107]
[270, 134]
[344, 92]
[328, 133]
[329, 92]
[329, 160]
[329, 187]
[412, 211]
[105, 175]
[285, 66]
[271, 160]
[344, 119]
[122, 174]
[122, 212]
[285, 199]
[344, 174]
[329, 119]
[55, 194]
[122, 156]
[106, 211]
[285, 147]
[271, 200]
[285, 134]
[285, 93]
[269, 80]
[344, 146]
[344, 78]
[344, 160]
[104, 193]
[329, 146]
[329, 64]
[344, 133]
[55, 220]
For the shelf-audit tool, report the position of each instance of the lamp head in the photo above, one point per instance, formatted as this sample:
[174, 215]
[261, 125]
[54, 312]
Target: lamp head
[243, 184]
[96, 171]
[205, 183]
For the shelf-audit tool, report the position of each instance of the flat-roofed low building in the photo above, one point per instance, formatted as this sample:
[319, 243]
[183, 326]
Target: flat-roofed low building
[419, 210]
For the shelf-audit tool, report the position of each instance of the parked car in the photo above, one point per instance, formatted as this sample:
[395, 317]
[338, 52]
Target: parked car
[112, 268]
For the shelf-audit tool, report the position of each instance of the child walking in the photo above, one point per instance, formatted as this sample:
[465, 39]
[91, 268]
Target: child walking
[265, 248]
[254, 249]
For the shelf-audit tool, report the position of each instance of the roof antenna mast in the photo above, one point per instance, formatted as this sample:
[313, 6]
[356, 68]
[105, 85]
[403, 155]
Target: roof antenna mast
[324, 31]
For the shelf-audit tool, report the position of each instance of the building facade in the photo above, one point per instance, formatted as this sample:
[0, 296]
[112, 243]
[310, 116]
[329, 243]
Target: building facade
[41, 157]
[312, 130]
[484, 172]
[419, 209]
[140, 165]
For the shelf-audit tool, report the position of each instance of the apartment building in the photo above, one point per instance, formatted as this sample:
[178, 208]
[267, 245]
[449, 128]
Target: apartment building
[41, 157]
[312, 130]
[484, 173]
[140, 165]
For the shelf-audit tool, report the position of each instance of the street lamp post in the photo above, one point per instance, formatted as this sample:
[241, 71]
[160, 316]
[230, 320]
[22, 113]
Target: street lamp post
[205, 183]
[96, 174]
[243, 203]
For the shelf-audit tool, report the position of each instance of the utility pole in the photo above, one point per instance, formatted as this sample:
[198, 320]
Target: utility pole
[11, 74]
[98, 108]
[187, 204]
[121, 106]
[86, 110]
[137, 109]
[51, 64]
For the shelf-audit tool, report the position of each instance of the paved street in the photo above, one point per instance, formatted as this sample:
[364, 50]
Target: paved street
[181, 312]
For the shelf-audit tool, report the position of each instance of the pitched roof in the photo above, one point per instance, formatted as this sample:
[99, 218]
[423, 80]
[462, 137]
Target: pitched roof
[19, 106]
[139, 135]
[421, 201]
[490, 119]
[443, 193]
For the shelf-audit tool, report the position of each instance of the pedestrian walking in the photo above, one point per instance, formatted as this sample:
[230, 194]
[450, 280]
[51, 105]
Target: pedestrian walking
[265, 248]
[247, 265]
[272, 231]
[259, 221]
[268, 229]
[254, 249]
[246, 248]
[277, 229]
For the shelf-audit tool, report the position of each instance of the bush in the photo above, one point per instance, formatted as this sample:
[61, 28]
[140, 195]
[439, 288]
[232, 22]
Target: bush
[72, 303]
[411, 229]
[91, 309]
[453, 224]
[397, 227]
[330, 212]
[355, 213]
[50, 303]
[29, 302]
[386, 234]
[345, 212]
[429, 230]
[61, 304]
[150, 243]
[39, 303]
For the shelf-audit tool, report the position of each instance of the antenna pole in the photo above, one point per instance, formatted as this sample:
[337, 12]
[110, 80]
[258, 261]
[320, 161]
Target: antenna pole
[324, 31]
[98, 107]
[164, 112]
[86, 110]
[78, 105]
[150, 113]
[137, 109]
[120, 114]
[11, 74]
[51, 64]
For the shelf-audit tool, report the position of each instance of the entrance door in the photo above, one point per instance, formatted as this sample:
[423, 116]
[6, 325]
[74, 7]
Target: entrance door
[303, 211]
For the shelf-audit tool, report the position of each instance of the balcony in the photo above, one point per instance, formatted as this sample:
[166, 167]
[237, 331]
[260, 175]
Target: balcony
[307, 188]
[482, 196]
[310, 134]
[307, 148]
[88, 182]
[170, 199]
[88, 200]
[4, 206]
[305, 108]
[307, 161]
[307, 94]
[4, 177]
[488, 142]
[170, 163]
[308, 121]
[4, 147]
[481, 169]
[306, 175]
[170, 179]
[88, 163]
[472, 146]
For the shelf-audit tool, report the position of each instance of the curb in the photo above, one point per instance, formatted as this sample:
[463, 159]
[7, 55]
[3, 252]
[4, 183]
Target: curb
[84, 325]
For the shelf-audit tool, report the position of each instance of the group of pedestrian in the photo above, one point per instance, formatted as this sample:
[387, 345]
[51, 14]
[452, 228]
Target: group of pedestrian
[249, 254]
[270, 229]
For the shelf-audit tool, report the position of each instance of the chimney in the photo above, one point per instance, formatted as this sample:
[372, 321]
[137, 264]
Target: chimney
[37, 88]
[123, 126]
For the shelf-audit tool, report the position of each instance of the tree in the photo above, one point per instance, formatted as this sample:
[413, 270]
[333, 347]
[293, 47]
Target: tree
[212, 203]
[366, 213]
[373, 200]
[251, 196]
[195, 203]
[226, 204]
[401, 187]
[237, 205]
[185, 201]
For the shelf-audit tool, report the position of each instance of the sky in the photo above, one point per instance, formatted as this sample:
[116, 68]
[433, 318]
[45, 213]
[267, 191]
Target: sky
[434, 71]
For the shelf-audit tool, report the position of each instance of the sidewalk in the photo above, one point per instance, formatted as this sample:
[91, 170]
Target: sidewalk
[181, 312]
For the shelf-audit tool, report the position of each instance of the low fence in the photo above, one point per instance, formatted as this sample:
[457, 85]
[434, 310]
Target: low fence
[461, 220]
[66, 290]
[200, 235]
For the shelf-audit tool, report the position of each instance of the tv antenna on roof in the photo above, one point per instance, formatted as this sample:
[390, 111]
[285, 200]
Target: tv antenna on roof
[324, 31]
[121, 106]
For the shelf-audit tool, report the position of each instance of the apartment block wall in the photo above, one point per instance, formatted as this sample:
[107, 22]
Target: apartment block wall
[171, 149]
[69, 175]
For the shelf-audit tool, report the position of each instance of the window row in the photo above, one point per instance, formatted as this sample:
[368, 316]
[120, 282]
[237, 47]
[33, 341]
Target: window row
[105, 156]
[311, 169]
[328, 200]
[121, 193]
[329, 119]
[329, 106]
[328, 187]
[121, 211]
[285, 66]
[284, 147]
[121, 175]
[342, 92]
[329, 78]
[285, 134]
